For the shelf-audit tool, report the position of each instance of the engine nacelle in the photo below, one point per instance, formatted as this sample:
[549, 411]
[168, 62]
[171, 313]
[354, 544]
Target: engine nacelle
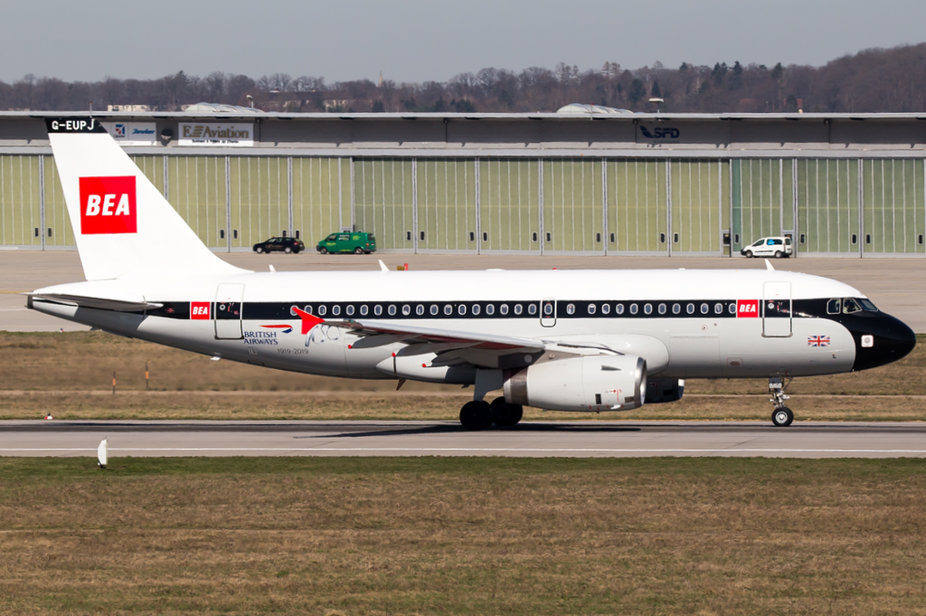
[664, 390]
[586, 383]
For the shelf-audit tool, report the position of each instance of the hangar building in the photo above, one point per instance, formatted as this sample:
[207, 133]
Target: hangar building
[539, 183]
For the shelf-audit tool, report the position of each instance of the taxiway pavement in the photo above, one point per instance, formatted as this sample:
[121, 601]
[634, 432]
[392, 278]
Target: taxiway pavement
[417, 438]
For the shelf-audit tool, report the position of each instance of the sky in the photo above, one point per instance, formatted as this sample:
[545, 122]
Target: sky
[422, 40]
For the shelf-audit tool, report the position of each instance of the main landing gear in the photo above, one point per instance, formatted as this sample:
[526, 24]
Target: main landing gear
[479, 414]
[782, 415]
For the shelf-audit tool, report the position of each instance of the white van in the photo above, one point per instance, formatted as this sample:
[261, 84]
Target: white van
[768, 247]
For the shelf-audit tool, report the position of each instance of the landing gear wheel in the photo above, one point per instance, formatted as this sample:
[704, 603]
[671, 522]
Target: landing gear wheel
[476, 415]
[782, 417]
[505, 415]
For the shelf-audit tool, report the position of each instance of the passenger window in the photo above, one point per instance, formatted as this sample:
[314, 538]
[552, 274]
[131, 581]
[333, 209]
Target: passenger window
[570, 309]
[606, 309]
[731, 308]
[392, 310]
[322, 311]
[336, 310]
[592, 309]
[532, 309]
[648, 309]
[406, 310]
[676, 308]
[490, 309]
[378, 309]
[461, 309]
[619, 309]
[718, 308]
[518, 309]
[705, 308]
[690, 308]
[419, 309]
[349, 310]
[634, 309]
[364, 309]
[476, 310]
[448, 309]
[434, 310]
[503, 309]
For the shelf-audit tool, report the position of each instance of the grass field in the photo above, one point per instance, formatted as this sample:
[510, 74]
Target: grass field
[462, 536]
[70, 375]
[347, 536]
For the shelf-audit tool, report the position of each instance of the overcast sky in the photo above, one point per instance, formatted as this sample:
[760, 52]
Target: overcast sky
[423, 40]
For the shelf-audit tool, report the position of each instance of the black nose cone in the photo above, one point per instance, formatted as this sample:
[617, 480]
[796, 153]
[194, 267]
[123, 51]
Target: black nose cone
[879, 339]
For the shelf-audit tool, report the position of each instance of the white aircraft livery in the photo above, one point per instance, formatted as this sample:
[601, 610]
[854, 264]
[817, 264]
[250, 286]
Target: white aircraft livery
[587, 340]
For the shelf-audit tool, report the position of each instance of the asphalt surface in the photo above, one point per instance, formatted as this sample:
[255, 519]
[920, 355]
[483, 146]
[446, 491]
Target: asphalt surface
[896, 285]
[416, 438]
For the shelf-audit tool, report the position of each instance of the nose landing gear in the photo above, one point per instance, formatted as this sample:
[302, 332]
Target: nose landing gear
[782, 416]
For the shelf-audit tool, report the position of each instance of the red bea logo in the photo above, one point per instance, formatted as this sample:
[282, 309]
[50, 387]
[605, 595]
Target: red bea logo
[747, 308]
[107, 205]
[199, 310]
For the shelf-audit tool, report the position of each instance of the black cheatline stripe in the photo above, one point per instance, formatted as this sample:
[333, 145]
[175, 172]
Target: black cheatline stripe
[512, 309]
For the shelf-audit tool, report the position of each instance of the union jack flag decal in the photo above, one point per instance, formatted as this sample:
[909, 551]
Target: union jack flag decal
[818, 341]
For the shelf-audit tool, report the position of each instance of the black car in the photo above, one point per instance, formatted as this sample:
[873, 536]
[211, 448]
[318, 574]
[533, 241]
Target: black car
[284, 244]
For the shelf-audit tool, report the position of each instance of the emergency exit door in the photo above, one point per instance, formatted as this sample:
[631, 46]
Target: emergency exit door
[228, 298]
[776, 309]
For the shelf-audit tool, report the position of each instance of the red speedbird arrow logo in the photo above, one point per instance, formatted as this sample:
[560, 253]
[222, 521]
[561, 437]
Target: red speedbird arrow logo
[308, 320]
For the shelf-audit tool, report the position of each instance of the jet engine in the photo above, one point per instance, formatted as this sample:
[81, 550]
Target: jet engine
[585, 383]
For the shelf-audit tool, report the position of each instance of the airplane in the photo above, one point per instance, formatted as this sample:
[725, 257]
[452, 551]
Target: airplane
[579, 340]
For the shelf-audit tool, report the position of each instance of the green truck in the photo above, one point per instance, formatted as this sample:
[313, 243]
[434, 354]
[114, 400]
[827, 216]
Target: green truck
[356, 242]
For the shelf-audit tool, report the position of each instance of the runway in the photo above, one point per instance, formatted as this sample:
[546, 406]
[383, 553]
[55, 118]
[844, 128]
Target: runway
[422, 438]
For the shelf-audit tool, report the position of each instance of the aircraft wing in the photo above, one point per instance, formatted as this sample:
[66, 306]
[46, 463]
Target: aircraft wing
[405, 333]
[486, 350]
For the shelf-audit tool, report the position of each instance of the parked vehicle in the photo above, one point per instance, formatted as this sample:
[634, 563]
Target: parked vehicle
[280, 244]
[768, 247]
[356, 242]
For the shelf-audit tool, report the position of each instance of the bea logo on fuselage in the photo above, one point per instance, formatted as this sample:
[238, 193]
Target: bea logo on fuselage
[107, 205]
[199, 310]
[746, 308]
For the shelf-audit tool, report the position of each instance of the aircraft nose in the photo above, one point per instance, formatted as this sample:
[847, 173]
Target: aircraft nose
[880, 339]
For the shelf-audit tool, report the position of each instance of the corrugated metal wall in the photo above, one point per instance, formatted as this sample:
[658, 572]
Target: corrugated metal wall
[838, 206]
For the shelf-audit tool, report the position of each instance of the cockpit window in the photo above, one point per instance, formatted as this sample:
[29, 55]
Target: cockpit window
[849, 305]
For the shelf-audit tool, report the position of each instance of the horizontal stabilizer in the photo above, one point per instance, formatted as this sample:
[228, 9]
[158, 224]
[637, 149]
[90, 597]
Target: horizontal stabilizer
[101, 303]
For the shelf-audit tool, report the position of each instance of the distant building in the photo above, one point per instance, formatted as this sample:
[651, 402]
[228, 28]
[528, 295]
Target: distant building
[584, 180]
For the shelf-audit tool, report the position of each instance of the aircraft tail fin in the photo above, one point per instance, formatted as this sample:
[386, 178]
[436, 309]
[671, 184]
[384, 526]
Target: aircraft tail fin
[122, 224]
